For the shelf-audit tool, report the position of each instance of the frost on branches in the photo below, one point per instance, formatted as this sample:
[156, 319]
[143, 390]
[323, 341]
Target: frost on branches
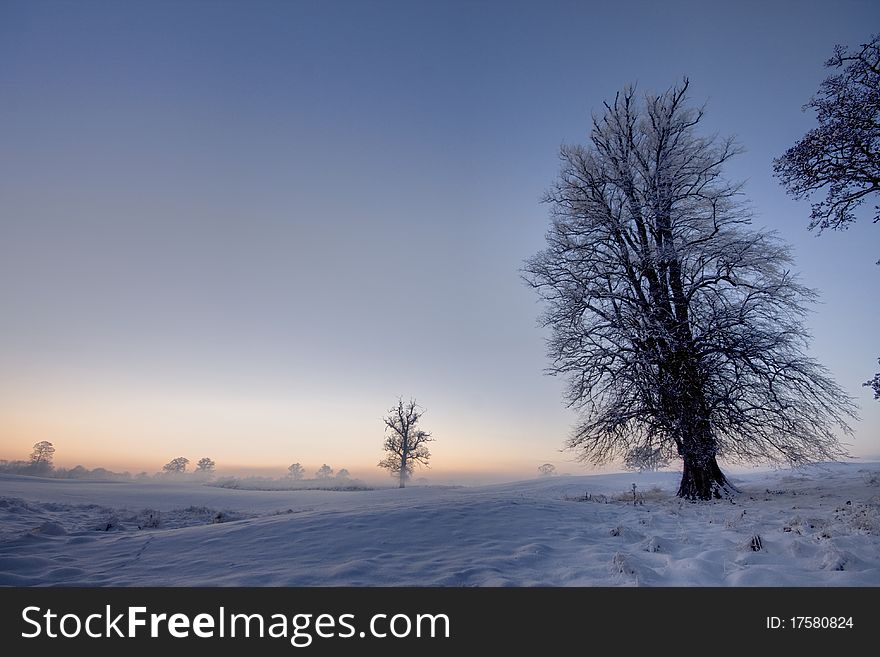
[405, 444]
[874, 384]
[841, 155]
[645, 459]
[678, 325]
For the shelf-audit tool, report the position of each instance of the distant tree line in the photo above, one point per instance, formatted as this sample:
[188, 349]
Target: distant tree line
[38, 465]
[41, 464]
[176, 467]
[298, 473]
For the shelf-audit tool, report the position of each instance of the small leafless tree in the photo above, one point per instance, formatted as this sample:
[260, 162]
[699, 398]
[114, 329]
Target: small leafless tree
[43, 453]
[205, 465]
[176, 466]
[324, 472]
[547, 469]
[41, 458]
[343, 474]
[405, 444]
[678, 326]
[296, 471]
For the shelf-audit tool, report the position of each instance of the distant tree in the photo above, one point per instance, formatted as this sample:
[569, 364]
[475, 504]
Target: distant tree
[547, 469]
[324, 472]
[405, 444]
[205, 465]
[41, 458]
[677, 324]
[43, 452]
[176, 466]
[645, 459]
[296, 471]
[841, 155]
[343, 474]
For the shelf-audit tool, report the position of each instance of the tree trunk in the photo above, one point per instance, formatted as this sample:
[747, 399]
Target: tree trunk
[701, 478]
[403, 471]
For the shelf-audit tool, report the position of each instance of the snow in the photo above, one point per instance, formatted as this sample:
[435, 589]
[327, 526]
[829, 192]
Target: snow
[815, 527]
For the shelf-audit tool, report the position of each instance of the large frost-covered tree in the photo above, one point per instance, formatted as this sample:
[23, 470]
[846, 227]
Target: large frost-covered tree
[405, 444]
[678, 325]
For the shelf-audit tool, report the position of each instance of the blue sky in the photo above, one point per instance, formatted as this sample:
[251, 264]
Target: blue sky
[242, 230]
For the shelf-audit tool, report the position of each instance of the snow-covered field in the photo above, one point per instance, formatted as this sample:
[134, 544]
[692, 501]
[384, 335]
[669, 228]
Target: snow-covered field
[815, 527]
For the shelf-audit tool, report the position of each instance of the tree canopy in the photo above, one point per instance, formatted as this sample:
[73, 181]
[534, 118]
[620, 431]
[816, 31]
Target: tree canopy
[676, 323]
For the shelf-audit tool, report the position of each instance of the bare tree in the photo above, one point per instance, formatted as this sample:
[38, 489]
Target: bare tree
[296, 471]
[547, 469]
[324, 472]
[343, 474]
[842, 155]
[205, 465]
[176, 466]
[41, 458]
[678, 326]
[43, 453]
[405, 444]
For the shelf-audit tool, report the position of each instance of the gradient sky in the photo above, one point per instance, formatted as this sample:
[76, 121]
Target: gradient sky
[242, 230]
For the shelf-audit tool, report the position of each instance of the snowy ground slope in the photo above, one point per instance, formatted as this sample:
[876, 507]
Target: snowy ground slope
[819, 527]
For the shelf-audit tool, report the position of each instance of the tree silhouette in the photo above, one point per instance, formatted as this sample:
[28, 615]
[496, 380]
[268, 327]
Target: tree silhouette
[205, 465]
[678, 326]
[43, 453]
[405, 445]
[176, 466]
[41, 458]
[842, 155]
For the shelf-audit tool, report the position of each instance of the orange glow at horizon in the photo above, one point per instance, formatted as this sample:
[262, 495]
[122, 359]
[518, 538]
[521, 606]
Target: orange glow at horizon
[123, 431]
